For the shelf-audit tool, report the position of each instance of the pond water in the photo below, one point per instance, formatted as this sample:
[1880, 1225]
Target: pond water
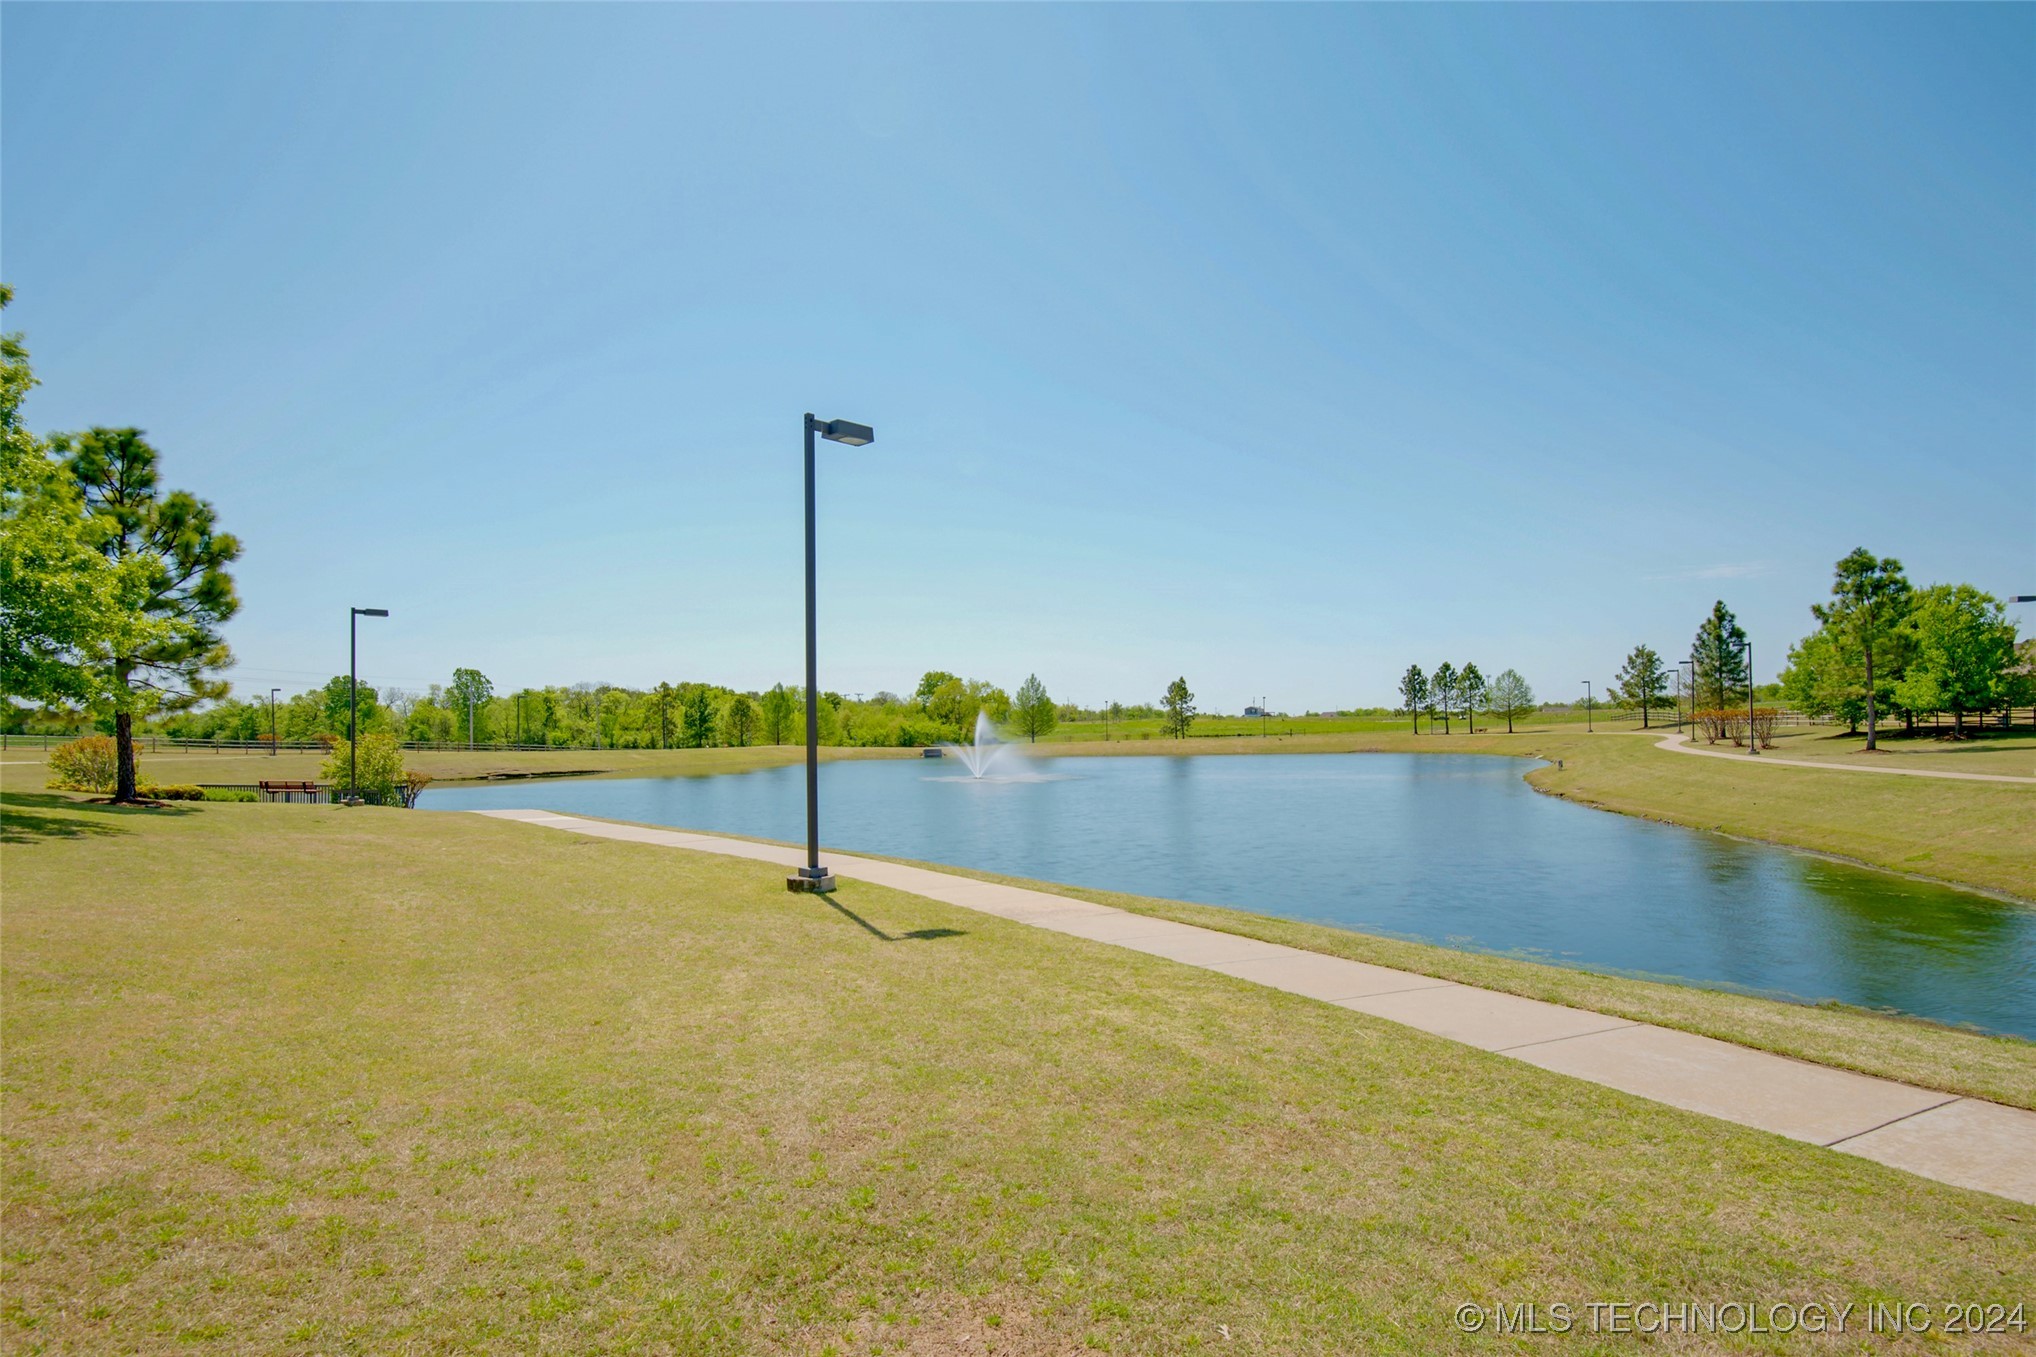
[1447, 848]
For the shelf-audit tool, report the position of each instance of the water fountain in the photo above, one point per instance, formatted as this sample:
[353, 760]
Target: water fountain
[982, 755]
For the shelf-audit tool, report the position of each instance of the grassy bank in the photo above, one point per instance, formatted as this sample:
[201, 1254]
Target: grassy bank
[1892, 1046]
[307, 1078]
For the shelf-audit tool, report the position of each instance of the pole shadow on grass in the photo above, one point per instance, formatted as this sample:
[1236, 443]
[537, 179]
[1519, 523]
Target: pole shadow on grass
[916, 935]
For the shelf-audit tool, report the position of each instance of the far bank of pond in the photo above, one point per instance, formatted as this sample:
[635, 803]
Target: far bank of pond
[1452, 849]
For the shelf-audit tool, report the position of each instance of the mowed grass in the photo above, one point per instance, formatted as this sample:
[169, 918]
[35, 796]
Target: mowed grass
[296, 1078]
[1999, 1069]
[2009, 753]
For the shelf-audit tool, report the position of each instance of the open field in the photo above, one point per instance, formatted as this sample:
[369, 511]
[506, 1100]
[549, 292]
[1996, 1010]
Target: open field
[304, 1077]
[2009, 752]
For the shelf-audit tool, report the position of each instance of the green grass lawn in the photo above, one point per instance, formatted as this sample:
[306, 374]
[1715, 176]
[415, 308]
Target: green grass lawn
[1999, 1069]
[2008, 752]
[301, 1078]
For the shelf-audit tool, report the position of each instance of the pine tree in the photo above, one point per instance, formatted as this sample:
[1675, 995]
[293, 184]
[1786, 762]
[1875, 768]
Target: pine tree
[1180, 709]
[1442, 687]
[1719, 650]
[1869, 599]
[1414, 692]
[1470, 690]
[173, 540]
[1642, 682]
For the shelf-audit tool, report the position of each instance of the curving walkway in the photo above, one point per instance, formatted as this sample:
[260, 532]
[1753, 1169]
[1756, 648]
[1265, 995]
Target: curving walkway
[1680, 744]
[1938, 1135]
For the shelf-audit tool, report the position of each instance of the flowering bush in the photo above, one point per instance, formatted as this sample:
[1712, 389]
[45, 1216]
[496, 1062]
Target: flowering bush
[87, 765]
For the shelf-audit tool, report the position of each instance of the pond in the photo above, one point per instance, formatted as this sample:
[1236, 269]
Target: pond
[1453, 849]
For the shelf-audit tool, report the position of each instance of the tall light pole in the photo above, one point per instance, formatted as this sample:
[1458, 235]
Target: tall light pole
[1752, 738]
[1589, 707]
[470, 720]
[1690, 665]
[353, 696]
[812, 877]
[272, 721]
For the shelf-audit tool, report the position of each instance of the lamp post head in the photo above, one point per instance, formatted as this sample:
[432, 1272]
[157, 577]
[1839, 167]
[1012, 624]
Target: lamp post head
[845, 431]
[371, 612]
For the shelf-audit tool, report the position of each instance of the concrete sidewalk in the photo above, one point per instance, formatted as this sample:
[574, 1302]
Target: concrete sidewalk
[1937, 1135]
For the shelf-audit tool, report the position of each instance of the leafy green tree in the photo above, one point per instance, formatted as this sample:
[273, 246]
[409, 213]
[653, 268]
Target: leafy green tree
[1414, 692]
[1641, 682]
[777, 711]
[1964, 651]
[335, 700]
[1179, 706]
[931, 683]
[428, 722]
[1442, 688]
[468, 693]
[1470, 690]
[1032, 710]
[696, 716]
[1720, 657]
[661, 702]
[1869, 599]
[1826, 676]
[956, 702]
[163, 655]
[61, 599]
[739, 724]
[380, 769]
[1510, 697]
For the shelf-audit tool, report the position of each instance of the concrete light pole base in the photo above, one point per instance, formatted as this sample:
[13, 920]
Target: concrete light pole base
[814, 885]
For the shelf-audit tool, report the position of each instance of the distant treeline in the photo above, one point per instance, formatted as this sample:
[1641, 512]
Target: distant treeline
[680, 715]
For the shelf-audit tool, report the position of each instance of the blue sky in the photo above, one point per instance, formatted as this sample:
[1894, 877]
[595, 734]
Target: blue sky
[1276, 347]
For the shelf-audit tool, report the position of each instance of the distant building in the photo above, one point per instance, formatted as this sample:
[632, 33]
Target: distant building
[1255, 711]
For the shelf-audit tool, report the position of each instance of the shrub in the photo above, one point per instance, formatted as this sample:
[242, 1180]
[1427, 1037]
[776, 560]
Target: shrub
[229, 794]
[175, 791]
[381, 769]
[87, 765]
[1722, 723]
[411, 786]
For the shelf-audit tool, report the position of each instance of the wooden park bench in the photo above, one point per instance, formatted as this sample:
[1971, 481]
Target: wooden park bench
[270, 790]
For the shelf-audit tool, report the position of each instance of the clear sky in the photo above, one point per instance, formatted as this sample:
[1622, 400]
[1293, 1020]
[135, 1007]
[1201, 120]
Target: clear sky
[1275, 347]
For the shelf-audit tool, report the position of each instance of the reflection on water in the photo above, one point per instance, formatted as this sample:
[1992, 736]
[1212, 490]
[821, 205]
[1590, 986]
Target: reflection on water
[1450, 848]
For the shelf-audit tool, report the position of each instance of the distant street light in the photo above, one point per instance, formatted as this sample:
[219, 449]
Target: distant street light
[811, 877]
[272, 721]
[1588, 727]
[1752, 737]
[1690, 665]
[353, 697]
